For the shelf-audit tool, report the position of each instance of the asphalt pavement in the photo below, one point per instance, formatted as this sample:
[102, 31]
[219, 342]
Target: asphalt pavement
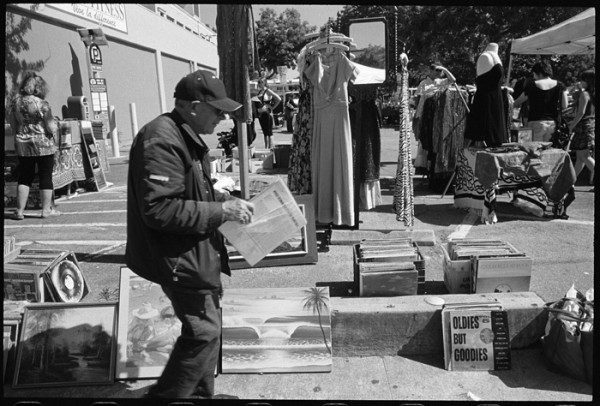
[93, 226]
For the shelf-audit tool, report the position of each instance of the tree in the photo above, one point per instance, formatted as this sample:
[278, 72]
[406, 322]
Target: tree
[280, 38]
[316, 300]
[456, 35]
[15, 44]
[373, 55]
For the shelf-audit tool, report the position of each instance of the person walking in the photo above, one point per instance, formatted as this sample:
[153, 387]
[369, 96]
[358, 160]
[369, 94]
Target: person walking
[583, 125]
[268, 101]
[173, 215]
[35, 129]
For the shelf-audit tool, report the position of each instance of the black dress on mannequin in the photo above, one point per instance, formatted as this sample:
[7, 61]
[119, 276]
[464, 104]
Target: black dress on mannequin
[487, 118]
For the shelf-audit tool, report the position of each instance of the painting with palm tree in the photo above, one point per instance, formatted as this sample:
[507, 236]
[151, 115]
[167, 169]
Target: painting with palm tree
[276, 330]
[66, 344]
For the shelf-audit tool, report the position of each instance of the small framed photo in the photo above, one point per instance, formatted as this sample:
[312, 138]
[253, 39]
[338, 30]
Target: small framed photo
[65, 344]
[301, 248]
[148, 328]
[10, 337]
[21, 285]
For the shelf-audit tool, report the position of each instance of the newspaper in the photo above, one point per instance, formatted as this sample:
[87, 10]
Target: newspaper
[276, 218]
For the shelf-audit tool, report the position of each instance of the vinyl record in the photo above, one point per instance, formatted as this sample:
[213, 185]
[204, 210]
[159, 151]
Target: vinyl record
[68, 281]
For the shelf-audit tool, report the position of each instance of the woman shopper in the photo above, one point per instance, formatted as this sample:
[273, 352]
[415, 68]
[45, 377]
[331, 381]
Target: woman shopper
[547, 99]
[35, 129]
[268, 101]
[583, 124]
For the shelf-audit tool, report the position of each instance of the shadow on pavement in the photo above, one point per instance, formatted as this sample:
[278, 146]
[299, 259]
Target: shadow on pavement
[528, 371]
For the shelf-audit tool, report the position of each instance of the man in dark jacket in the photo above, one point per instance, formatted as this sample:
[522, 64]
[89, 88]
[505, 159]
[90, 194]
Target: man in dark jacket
[173, 213]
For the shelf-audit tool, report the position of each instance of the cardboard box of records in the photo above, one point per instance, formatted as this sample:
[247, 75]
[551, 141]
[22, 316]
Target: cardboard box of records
[388, 267]
[485, 266]
[40, 275]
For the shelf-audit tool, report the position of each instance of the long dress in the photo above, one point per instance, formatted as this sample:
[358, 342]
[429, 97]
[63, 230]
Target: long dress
[331, 149]
[299, 173]
[487, 117]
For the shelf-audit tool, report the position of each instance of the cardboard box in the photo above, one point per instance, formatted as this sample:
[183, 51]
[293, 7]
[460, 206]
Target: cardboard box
[235, 152]
[521, 135]
[262, 153]
[255, 165]
[457, 273]
[216, 152]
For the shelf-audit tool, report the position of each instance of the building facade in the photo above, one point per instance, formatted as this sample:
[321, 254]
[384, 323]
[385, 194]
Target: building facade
[149, 48]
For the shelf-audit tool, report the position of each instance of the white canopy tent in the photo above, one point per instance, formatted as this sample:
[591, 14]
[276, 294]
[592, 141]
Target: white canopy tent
[575, 36]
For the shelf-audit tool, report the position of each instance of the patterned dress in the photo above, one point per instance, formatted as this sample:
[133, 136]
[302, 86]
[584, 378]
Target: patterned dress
[299, 173]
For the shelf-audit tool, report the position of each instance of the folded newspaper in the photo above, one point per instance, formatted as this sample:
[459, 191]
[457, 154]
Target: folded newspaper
[276, 218]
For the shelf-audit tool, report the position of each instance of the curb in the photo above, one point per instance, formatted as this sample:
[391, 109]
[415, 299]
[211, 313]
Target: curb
[409, 325]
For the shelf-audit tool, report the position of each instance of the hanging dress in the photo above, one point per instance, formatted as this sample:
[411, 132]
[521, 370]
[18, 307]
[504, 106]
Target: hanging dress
[487, 117]
[366, 137]
[299, 173]
[331, 149]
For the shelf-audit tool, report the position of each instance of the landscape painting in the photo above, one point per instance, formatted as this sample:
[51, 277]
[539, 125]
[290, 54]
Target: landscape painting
[276, 330]
[148, 327]
[66, 344]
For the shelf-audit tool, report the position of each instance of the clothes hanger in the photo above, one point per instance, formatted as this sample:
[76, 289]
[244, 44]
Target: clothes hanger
[330, 45]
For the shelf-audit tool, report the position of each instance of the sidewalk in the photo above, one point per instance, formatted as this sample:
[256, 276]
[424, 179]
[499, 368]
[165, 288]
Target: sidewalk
[386, 378]
[379, 376]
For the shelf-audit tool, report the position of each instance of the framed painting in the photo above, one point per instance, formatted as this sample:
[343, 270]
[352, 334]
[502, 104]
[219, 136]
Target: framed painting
[276, 330]
[301, 248]
[66, 345]
[148, 328]
[10, 337]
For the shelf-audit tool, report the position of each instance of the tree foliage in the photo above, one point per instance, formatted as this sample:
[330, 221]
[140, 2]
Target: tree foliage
[456, 35]
[280, 38]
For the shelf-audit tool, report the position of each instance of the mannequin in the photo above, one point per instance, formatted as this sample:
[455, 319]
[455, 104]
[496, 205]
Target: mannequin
[488, 59]
[486, 124]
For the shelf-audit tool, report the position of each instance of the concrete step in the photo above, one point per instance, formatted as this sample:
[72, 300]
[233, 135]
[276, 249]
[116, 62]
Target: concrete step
[411, 325]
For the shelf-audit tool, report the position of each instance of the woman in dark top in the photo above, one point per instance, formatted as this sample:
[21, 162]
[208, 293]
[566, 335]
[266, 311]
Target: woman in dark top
[583, 124]
[546, 98]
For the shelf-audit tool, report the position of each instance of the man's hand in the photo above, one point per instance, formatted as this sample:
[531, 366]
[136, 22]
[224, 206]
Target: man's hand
[238, 210]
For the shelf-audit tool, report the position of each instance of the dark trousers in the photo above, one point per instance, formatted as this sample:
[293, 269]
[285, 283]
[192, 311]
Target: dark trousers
[45, 165]
[191, 366]
[266, 124]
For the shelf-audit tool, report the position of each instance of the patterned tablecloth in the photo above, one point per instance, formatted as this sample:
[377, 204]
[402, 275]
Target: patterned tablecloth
[69, 166]
[542, 179]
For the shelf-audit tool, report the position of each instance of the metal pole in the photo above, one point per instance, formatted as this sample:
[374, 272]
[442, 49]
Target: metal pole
[114, 137]
[134, 125]
[244, 159]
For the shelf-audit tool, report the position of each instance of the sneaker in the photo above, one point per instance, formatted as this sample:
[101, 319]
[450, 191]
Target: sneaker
[18, 216]
[50, 213]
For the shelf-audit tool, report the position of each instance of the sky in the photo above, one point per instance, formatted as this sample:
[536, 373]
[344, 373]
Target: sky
[315, 14]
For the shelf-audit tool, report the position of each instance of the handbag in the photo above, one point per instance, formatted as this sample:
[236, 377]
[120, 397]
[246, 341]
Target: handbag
[561, 138]
[568, 350]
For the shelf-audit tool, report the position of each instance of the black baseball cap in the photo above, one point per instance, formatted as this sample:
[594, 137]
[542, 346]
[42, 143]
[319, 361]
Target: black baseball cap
[205, 86]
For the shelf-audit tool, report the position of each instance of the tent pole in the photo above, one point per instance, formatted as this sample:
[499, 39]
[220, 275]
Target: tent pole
[510, 62]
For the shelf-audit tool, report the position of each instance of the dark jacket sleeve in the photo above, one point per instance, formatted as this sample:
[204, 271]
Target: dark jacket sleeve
[164, 203]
